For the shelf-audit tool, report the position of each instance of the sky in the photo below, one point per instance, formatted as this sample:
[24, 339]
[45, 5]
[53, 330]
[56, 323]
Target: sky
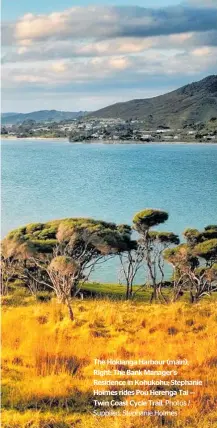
[69, 55]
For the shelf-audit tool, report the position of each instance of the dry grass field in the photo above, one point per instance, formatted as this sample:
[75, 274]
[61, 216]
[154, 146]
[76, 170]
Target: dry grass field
[48, 359]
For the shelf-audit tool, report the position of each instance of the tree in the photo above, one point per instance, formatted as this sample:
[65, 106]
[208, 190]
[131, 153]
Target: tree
[4, 131]
[194, 236]
[62, 254]
[8, 272]
[184, 264]
[17, 252]
[62, 272]
[160, 242]
[132, 260]
[194, 263]
[153, 244]
[207, 250]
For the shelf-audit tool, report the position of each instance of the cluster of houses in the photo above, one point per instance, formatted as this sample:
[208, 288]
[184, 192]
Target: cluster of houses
[133, 130]
[116, 129]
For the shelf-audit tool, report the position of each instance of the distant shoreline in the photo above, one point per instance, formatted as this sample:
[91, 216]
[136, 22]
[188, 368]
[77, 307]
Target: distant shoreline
[109, 142]
[34, 138]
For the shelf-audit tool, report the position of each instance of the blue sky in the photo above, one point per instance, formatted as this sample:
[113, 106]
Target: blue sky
[16, 9]
[83, 56]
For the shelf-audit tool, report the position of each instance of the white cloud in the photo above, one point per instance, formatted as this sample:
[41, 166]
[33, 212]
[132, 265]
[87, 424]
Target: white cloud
[86, 47]
[120, 69]
[109, 22]
[59, 67]
[203, 52]
[68, 50]
[76, 22]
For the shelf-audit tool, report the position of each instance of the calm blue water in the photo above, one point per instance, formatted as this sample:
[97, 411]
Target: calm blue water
[46, 180]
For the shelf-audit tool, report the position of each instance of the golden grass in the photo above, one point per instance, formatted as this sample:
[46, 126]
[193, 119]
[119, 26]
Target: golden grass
[48, 360]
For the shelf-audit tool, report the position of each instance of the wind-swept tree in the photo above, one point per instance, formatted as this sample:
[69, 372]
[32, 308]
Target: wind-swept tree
[194, 263]
[131, 261]
[160, 242]
[153, 243]
[62, 272]
[61, 254]
[184, 265]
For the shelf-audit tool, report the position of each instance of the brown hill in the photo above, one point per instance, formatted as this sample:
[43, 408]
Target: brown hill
[193, 103]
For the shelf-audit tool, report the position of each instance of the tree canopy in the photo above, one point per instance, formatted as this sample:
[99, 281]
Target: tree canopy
[194, 262]
[148, 218]
[98, 236]
[61, 255]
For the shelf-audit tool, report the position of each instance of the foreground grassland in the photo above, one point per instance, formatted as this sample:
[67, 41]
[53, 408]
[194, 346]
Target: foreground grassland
[48, 359]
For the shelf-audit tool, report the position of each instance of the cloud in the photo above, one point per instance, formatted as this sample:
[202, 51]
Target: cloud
[108, 22]
[59, 67]
[67, 49]
[70, 49]
[112, 70]
[74, 22]
[103, 48]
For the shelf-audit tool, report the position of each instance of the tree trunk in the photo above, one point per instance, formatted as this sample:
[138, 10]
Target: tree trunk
[128, 292]
[71, 315]
[74, 288]
[154, 295]
[192, 298]
[131, 291]
[161, 295]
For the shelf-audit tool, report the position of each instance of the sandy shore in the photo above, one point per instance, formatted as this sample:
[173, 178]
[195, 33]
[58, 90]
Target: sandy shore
[10, 137]
[102, 142]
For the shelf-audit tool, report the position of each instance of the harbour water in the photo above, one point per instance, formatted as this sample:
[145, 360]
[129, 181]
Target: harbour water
[44, 180]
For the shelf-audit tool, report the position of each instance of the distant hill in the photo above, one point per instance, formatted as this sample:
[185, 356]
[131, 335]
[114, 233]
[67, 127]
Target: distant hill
[193, 103]
[40, 116]
[8, 114]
